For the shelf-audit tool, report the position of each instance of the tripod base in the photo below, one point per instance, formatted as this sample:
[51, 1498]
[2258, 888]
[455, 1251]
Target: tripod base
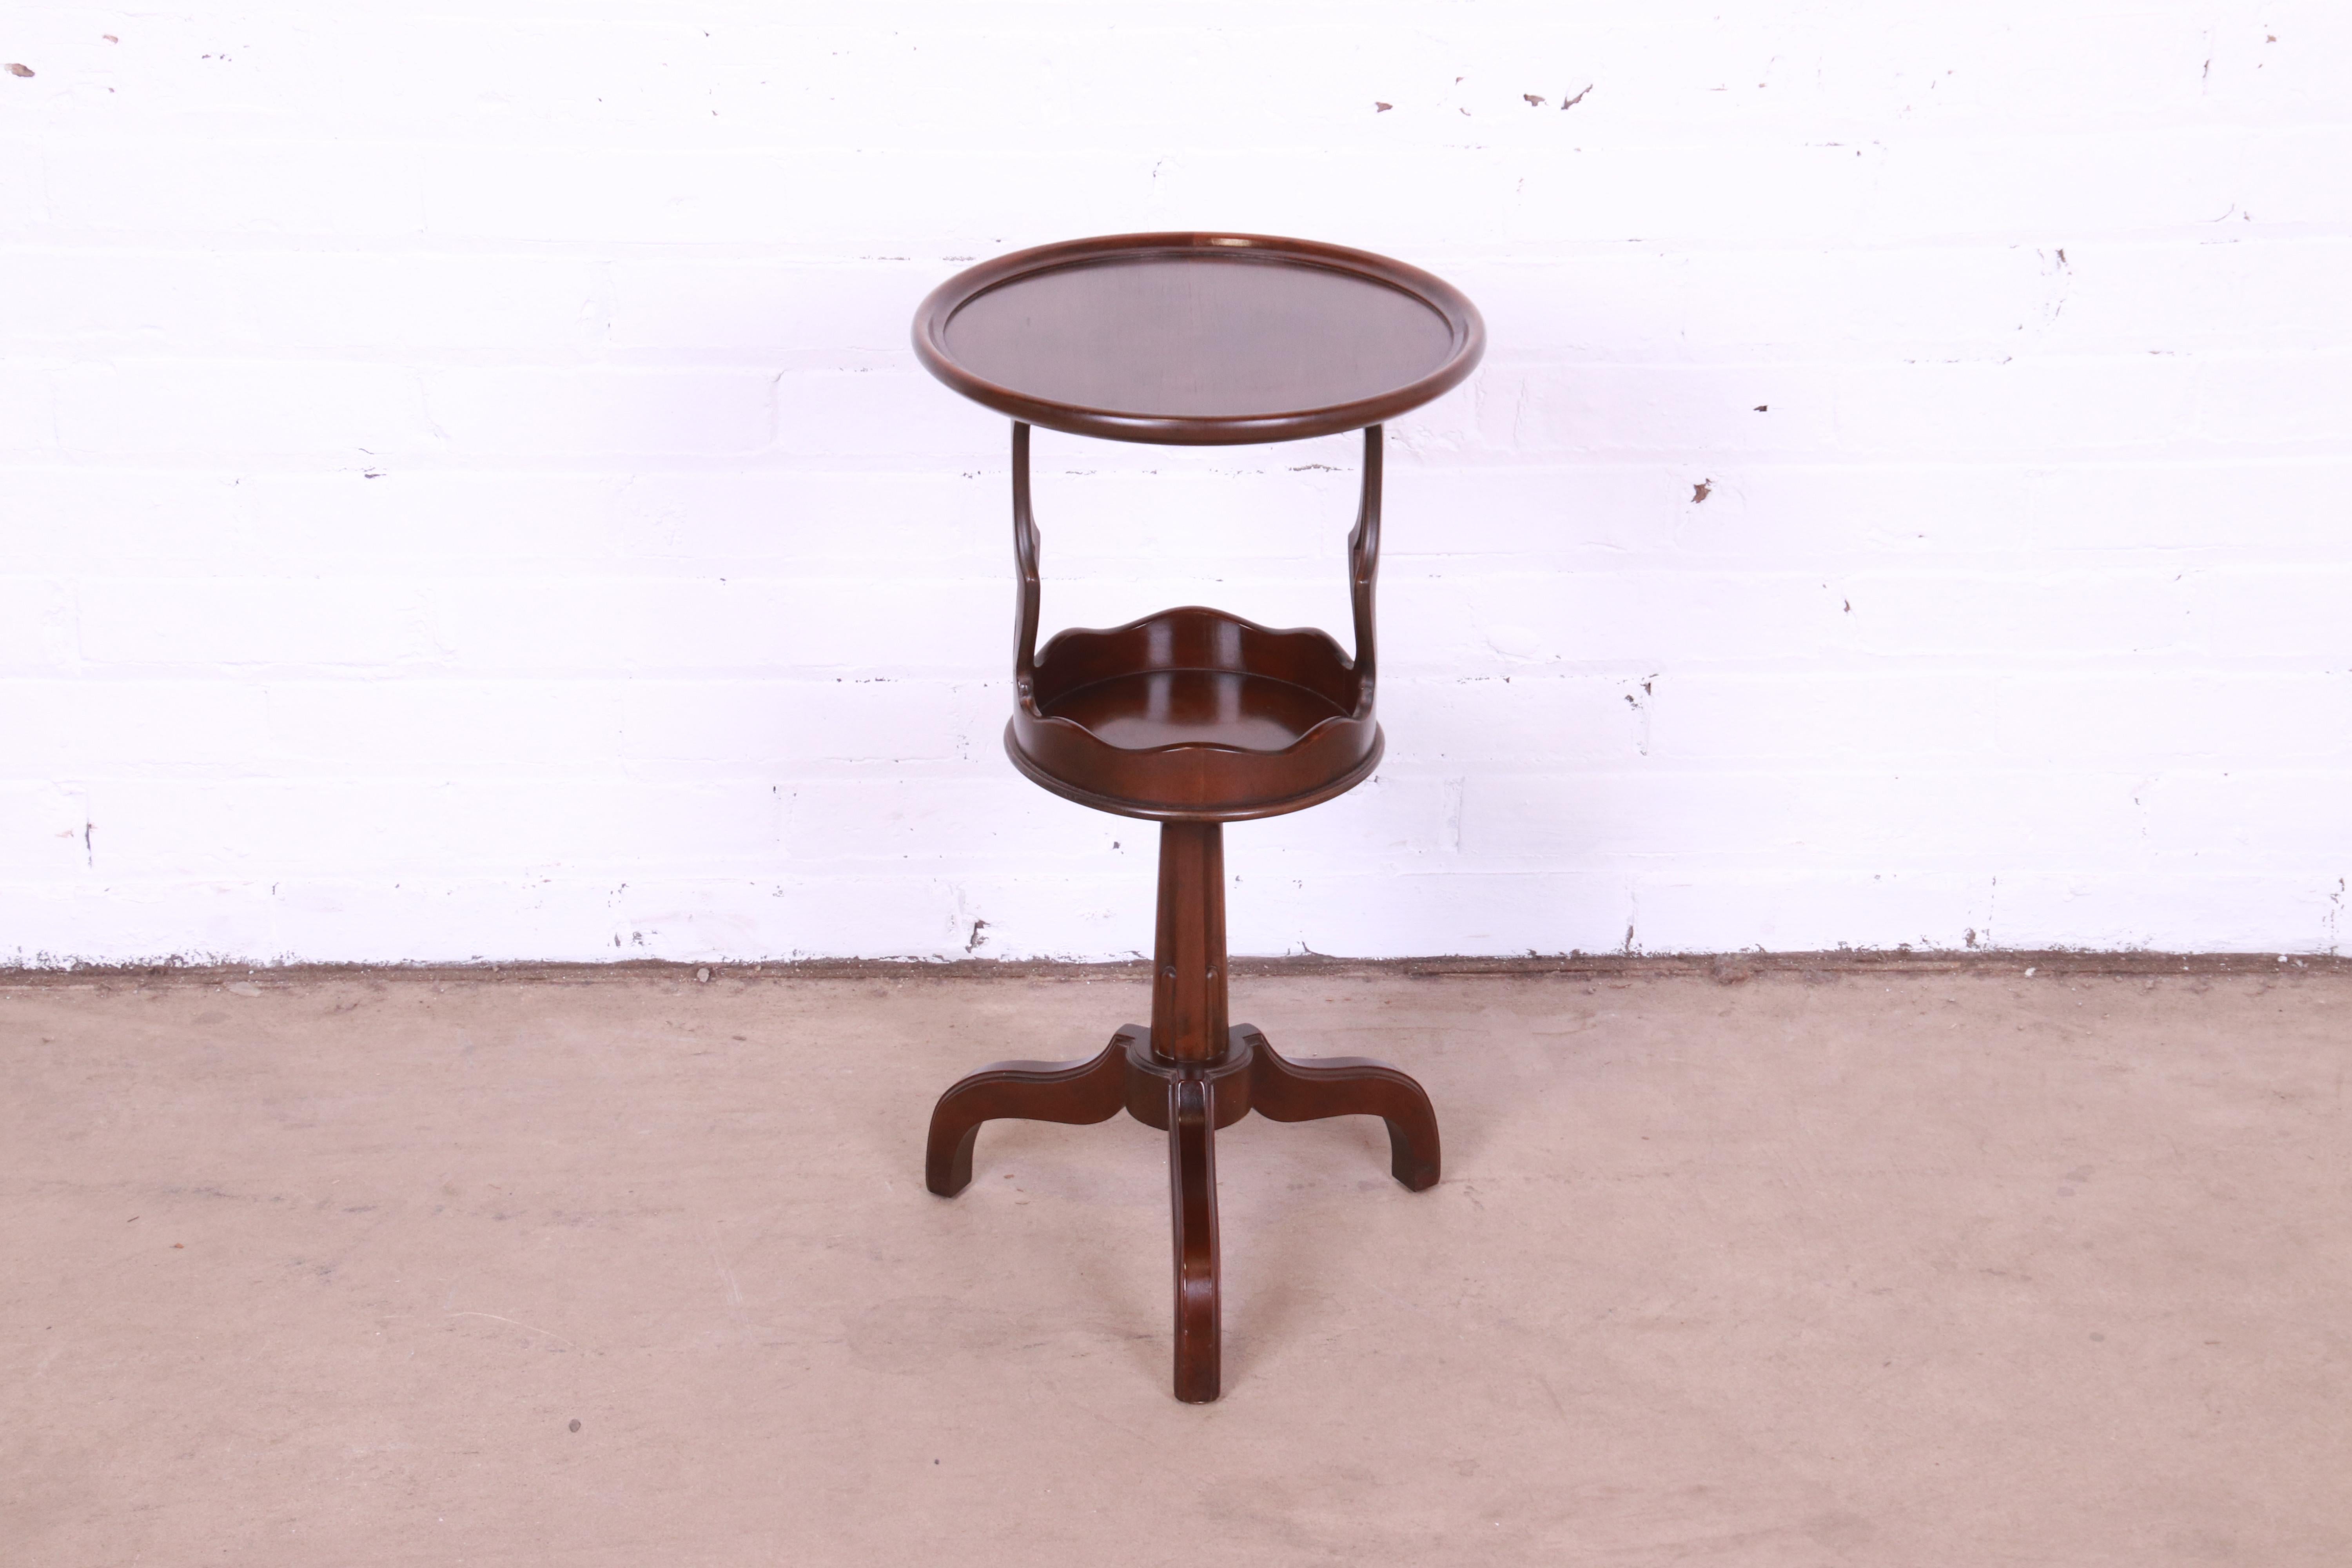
[1189, 1101]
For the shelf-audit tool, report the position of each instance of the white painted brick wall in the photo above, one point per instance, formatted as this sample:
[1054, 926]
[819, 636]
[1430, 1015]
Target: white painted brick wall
[465, 491]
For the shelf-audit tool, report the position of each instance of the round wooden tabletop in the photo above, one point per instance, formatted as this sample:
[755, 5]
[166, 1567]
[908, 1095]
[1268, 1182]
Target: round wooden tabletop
[1198, 339]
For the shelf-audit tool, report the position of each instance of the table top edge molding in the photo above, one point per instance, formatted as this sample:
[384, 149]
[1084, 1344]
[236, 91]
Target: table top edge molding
[939, 308]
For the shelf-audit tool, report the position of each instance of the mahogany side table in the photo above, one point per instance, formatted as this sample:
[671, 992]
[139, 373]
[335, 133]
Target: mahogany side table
[1193, 718]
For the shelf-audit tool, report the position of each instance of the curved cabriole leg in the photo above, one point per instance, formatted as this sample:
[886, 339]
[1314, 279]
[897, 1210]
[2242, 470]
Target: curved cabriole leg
[1081, 1092]
[1193, 1195]
[1348, 1085]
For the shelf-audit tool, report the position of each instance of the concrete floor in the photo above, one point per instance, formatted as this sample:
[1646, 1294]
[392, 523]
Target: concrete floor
[1845, 1267]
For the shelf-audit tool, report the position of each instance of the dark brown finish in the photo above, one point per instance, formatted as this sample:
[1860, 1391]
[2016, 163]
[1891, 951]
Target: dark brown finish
[1081, 1093]
[1188, 979]
[1192, 717]
[1189, 1101]
[1192, 339]
[1192, 1204]
[1192, 714]
[1348, 1085]
[1188, 1074]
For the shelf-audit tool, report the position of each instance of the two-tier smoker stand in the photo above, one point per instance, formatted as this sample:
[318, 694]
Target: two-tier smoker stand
[1193, 717]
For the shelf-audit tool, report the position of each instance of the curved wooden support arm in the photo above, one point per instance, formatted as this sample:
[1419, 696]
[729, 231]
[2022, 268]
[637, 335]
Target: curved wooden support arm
[1193, 1200]
[1364, 565]
[1079, 1092]
[1282, 1089]
[1024, 562]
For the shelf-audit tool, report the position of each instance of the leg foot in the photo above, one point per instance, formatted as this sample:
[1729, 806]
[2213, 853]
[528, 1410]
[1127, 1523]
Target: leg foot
[1087, 1092]
[1348, 1085]
[1193, 1197]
